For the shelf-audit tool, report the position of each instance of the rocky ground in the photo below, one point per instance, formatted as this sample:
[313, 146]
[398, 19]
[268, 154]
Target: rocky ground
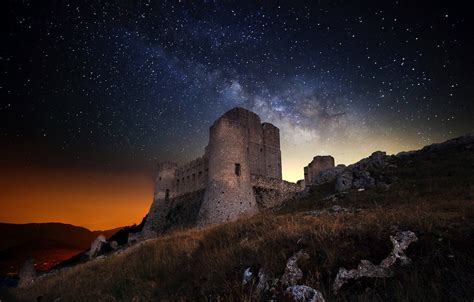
[388, 228]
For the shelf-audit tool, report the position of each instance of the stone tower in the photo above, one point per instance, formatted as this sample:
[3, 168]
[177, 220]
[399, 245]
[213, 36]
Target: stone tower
[229, 192]
[271, 143]
[165, 189]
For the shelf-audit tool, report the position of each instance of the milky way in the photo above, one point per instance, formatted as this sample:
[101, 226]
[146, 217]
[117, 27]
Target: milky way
[126, 84]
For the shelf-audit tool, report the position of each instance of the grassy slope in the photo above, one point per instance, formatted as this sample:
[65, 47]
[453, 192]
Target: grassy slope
[432, 196]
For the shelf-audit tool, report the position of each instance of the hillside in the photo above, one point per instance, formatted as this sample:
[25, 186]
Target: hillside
[47, 243]
[430, 195]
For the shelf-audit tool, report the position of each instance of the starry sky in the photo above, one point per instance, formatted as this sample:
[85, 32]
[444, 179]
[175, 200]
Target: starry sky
[95, 93]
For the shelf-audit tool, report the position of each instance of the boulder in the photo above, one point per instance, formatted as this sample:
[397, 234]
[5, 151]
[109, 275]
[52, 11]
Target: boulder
[292, 272]
[114, 245]
[96, 246]
[248, 276]
[303, 293]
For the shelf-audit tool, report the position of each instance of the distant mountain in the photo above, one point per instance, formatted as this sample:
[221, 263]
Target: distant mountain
[47, 243]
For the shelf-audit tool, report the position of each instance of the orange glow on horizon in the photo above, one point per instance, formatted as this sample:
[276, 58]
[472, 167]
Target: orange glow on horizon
[99, 201]
[95, 200]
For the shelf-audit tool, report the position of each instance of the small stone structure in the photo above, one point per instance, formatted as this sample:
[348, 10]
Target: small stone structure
[318, 164]
[238, 175]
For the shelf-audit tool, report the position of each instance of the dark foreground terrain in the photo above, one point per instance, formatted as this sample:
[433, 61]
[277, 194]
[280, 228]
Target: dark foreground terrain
[47, 243]
[431, 195]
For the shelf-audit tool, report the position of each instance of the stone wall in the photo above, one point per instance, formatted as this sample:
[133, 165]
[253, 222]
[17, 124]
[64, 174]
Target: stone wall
[272, 192]
[276, 184]
[192, 176]
[165, 180]
[180, 211]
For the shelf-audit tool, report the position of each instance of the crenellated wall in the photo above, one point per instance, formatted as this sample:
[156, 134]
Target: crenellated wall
[192, 176]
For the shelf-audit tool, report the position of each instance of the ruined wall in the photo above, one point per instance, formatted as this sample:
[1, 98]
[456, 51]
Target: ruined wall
[272, 192]
[182, 211]
[229, 192]
[318, 164]
[192, 176]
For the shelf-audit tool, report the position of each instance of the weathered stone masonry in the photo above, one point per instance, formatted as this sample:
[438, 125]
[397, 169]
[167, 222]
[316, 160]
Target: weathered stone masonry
[243, 157]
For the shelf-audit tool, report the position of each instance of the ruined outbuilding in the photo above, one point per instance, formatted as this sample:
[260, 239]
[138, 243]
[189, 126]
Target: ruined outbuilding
[319, 164]
[238, 175]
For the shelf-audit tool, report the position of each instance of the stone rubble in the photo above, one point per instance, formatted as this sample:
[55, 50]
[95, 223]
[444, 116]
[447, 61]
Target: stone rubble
[292, 274]
[400, 242]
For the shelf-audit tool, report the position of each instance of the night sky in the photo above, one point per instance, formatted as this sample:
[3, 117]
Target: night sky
[94, 93]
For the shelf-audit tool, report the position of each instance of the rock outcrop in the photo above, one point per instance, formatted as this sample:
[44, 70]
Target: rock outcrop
[96, 246]
[364, 174]
[400, 242]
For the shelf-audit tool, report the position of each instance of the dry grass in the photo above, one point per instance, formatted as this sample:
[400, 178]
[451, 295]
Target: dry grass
[208, 264]
[195, 264]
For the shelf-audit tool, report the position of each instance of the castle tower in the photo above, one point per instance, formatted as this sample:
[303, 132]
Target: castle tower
[229, 192]
[165, 189]
[271, 142]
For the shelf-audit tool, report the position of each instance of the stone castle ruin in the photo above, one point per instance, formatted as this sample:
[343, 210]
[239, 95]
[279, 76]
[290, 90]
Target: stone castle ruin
[317, 165]
[238, 175]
